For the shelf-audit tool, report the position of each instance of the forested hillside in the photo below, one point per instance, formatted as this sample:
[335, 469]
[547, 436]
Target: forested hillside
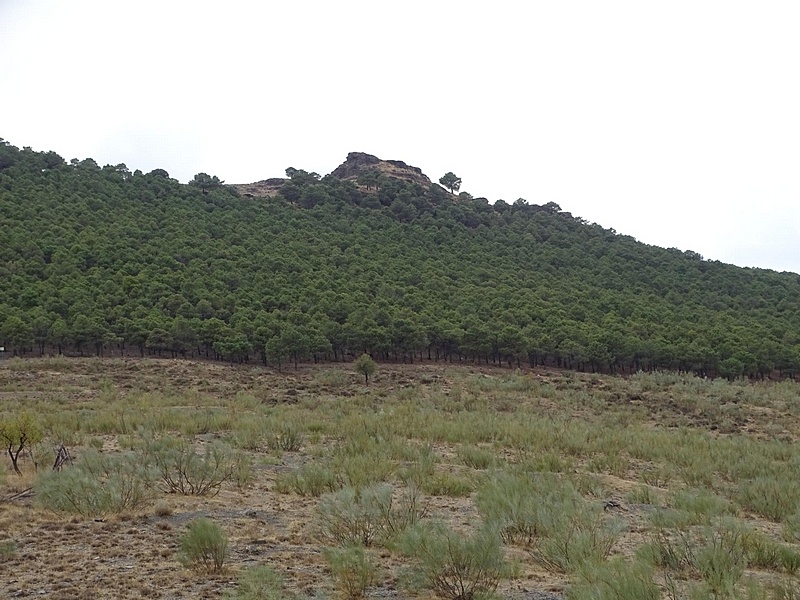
[105, 260]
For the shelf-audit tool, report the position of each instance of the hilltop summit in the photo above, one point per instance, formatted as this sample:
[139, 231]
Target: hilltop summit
[358, 163]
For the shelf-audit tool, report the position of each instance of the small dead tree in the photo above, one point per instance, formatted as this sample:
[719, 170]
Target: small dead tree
[63, 458]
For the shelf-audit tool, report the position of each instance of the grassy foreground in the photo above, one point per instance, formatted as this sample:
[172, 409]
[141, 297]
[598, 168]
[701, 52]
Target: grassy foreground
[195, 480]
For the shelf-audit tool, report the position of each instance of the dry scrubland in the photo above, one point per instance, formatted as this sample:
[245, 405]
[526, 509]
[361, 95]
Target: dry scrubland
[433, 481]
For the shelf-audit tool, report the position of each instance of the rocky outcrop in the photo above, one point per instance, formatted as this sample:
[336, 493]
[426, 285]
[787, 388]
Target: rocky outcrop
[360, 162]
[357, 163]
[265, 187]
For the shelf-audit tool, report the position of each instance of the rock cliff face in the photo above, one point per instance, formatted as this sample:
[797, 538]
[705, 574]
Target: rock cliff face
[359, 162]
[356, 164]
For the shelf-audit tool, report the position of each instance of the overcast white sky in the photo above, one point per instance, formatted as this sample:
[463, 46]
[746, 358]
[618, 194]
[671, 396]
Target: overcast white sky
[675, 122]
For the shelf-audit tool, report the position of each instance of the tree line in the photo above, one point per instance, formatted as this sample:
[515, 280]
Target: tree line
[99, 260]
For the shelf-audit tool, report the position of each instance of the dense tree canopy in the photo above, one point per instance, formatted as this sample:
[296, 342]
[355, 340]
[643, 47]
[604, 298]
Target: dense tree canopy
[101, 260]
[204, 181]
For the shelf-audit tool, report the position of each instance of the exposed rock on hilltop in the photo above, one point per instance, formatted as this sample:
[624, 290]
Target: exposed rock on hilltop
[265, 187]
[359, 162]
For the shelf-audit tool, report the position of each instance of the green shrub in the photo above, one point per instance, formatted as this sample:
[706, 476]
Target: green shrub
[204, 547]
[721, 561]
[260, 583]
[445, 484]
[643, 494]
[656, 476]
[312, 479]
[363, 469]
[774, 498]
[242, 472]
[475, 457]
[182, 470]
[353, 569]
[791, 528]
[716, 553]
[698, 473]
[289, 439]
[766, 553]
[702, 504]
[421, 468]
[453, 565]
[609, 462]
[789, 560]
[616, 580]
[98, 485]
[510, 504]
[369, 515]
[579, 535]
[352, 516]
[778, 590]
[761, 551]
[410, 510]
[671, 550]
[548, 462]
[208, 420]
[248, 436]
[547, 513]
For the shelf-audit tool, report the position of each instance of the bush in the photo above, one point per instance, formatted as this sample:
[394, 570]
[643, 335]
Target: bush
[184, 471]
[702, 504]
[288, 439]
[475, 457]
[408, 512]
[454, 566]
[791, 528]
[774, 498]
[576, 537]
[766, 553]
[717, 553]
[363, 469]
[248, 436]
[369, 515]
[352, 516]
[670, 550]
[204, 547]
[721, 562]
[242, 472]
[509, 503]
[643, 494]
[615, 581]
[260, 583]
[421, 468]
[547, 513]
[309, 480]
[445, 484]
[98, 485]
[352, 568]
